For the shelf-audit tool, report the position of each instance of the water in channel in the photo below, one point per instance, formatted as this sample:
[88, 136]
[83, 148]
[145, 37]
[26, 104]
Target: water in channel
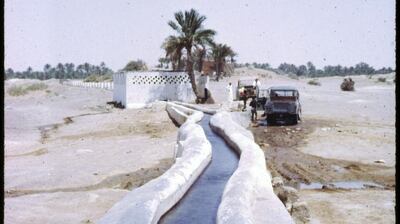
[201, 201]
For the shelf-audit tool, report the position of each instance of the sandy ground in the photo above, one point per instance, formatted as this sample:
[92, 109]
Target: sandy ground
[340, 137]
[69, 156]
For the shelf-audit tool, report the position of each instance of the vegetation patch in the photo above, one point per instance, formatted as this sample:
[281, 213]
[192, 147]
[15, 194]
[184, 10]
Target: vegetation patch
[98, 78]
[381, 79]
[21, 90]
[314, 82]
[293, 76]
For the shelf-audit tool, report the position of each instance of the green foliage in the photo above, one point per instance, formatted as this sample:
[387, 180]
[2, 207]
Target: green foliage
[98, 78]
[16, 91]
[381, 79]
[190, 33]
[137, 65]
[61, 71]
[310, 70]
[314, 82]
[21, 90]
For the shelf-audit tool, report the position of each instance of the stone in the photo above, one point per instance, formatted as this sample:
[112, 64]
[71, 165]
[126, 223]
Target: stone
[379, 161]
[300, 212]
[277, 182]
[265, 131]
[291, 194]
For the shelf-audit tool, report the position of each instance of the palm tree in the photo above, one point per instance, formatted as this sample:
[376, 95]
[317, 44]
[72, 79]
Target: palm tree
[173, 47]
[219, 53]
[189, 26]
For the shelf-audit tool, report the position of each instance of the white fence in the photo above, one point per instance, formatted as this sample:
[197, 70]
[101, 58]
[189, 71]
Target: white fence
[81, 83]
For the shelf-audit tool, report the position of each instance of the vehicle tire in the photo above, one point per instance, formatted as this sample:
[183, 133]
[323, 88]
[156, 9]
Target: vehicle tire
[270, 120]
[295, 119]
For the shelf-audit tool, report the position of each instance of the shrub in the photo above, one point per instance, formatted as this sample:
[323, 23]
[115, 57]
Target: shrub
[98, 78]
[381, 79]
[314, 82]
[347, 85]
[20, 90]
[36, 87]
[293, 76]
[16, 91]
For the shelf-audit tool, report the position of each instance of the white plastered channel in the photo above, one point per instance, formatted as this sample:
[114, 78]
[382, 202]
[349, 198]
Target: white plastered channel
[148, 203]
[248, 196]
[199, 108]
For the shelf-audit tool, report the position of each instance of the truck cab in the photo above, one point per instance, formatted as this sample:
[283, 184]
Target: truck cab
[282, 102]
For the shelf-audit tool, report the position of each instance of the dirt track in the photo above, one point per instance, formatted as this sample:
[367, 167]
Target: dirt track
[281, 144]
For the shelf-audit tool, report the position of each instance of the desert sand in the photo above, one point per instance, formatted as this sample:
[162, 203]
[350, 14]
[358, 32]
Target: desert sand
[69, 156]
[341, 138]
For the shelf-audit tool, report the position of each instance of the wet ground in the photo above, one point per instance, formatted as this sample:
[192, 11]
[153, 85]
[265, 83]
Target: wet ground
[280, 144]
[200, 203]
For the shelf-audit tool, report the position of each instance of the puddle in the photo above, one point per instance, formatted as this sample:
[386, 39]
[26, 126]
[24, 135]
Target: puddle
[342, 185]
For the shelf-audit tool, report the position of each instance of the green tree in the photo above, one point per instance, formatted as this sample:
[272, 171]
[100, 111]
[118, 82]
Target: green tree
[189, 26]
[219, 53]
[137, 65]
[311, 69]
[173, 48]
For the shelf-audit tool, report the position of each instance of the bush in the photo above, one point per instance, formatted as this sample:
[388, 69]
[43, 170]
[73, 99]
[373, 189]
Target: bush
[314, 82]
[16, 91]
[98, 78]
[347, 85]
[20, 90]
[381, 79]
[293, 76]
[36, 87]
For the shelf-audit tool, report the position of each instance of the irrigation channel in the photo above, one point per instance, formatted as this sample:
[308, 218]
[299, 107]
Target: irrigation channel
[201, 201]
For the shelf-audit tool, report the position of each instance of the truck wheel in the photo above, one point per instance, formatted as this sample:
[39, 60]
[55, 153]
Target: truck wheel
[295, 119]
[270, 119]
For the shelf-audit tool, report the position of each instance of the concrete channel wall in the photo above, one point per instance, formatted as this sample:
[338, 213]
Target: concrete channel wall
[248, 196]
[148, 203]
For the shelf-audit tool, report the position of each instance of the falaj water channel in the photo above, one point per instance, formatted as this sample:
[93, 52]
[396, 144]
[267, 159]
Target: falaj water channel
[200, 203]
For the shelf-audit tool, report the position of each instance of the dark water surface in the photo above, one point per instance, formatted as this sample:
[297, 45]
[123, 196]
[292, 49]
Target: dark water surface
[200, 203]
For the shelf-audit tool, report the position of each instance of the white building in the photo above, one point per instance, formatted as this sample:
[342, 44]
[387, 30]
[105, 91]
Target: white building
[136, 89]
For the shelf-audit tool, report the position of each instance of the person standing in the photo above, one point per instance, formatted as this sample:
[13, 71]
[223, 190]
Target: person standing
[253, 105]
[229, 94]
[244, 99]
[256, 86]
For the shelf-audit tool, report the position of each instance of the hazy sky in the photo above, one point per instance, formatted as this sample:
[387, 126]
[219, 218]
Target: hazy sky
[274, 31]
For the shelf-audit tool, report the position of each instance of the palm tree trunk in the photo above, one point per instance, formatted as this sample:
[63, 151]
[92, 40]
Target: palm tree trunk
[189, 69]
[201, 58]
[218, 70]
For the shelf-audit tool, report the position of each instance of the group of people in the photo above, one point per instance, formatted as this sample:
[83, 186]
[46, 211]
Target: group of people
[204, 82]
[253, 102]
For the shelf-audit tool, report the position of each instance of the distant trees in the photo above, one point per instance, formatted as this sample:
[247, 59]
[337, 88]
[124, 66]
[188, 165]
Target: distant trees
[329, 70]
[61, 71]
[310, 70]
[137, 65]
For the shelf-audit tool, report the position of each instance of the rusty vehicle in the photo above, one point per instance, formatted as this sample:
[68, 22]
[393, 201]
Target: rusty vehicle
[282, 102]
[245, 84]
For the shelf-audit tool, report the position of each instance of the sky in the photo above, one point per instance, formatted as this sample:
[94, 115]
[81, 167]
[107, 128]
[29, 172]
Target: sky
[273, 31]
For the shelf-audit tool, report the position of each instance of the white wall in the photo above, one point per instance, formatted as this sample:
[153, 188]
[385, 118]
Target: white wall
[136, 89]
[81, 83]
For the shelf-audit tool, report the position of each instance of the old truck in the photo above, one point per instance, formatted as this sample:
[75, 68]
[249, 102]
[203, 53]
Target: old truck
[282, 102]
[245, 88]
